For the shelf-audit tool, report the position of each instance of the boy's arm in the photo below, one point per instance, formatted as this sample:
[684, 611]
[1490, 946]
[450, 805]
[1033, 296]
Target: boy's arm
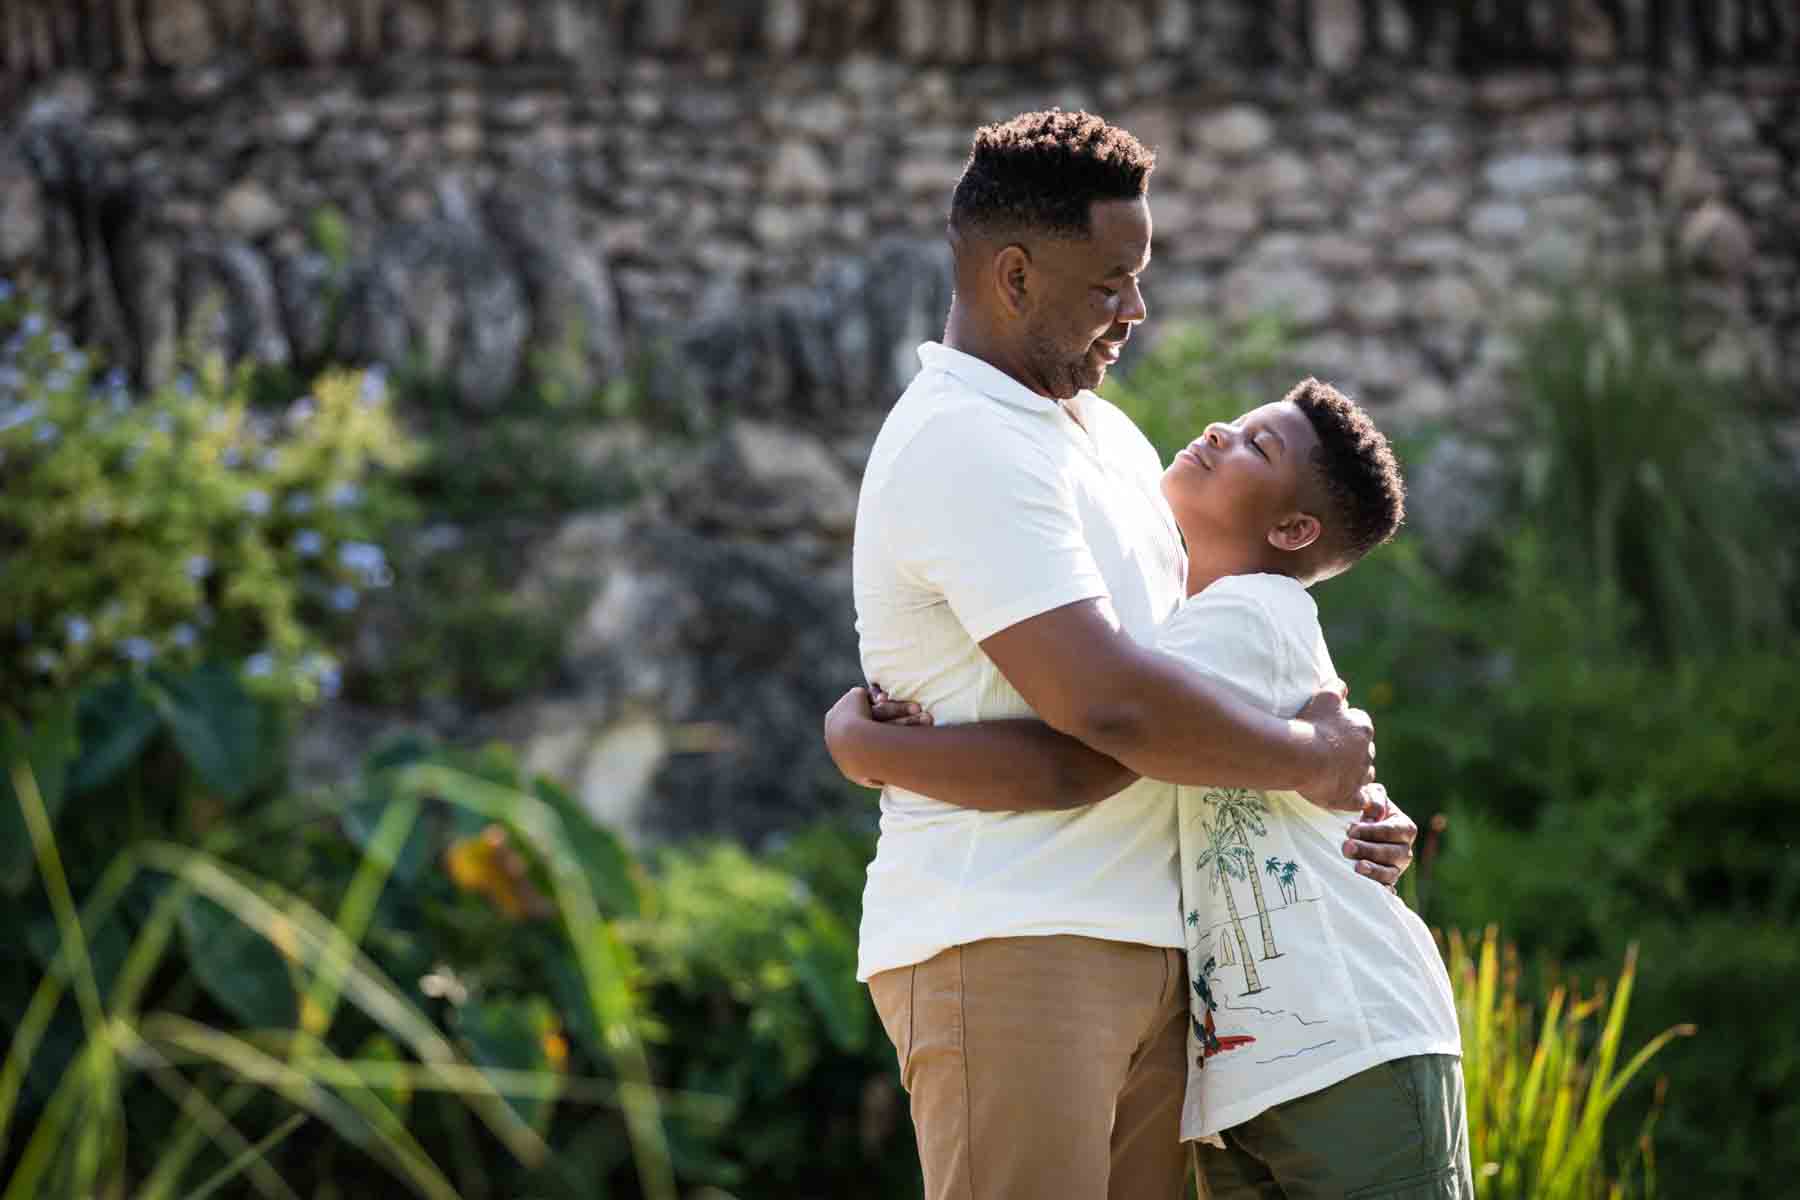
[996, 766]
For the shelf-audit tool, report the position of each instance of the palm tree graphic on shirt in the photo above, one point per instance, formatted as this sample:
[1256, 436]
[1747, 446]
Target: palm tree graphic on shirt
[1240, 813]
[1222, 859]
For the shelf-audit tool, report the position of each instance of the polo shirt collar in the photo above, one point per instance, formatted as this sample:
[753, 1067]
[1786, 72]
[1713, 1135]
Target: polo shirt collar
[984, 377]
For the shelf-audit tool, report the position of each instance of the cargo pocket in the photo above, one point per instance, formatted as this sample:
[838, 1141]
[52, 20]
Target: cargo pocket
[1439, 1184]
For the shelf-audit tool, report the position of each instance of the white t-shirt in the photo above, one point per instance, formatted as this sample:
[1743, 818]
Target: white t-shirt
[985, 504]
[1303, 972]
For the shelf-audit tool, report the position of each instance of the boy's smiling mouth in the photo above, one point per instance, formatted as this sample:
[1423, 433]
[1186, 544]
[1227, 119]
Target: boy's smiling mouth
[1192, 452]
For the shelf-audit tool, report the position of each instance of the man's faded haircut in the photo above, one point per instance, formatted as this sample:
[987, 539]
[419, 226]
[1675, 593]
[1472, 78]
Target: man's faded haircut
[1041, 172]
[1356, 467]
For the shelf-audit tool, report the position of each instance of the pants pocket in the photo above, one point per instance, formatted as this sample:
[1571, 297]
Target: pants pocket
[1442, 1183]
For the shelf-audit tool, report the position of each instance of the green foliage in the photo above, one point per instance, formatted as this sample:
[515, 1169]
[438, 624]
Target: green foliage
[1196, 374]
[181, 524]
[1654, 475]
[751, 967]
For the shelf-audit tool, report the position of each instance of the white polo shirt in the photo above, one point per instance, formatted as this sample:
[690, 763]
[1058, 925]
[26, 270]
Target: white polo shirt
[985, 504]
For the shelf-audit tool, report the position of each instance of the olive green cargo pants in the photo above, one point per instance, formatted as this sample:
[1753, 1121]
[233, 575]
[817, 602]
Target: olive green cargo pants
[1397, 1131]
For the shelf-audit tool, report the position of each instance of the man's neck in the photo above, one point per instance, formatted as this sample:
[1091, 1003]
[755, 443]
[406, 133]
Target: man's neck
[967, 333]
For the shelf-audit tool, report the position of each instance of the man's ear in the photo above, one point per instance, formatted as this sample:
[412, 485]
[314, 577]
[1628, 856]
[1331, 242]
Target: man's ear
[1296, 531]
[1012, 279]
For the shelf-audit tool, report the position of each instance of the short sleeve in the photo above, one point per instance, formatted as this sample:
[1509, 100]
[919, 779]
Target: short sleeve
[1228, 634]
[989, 520]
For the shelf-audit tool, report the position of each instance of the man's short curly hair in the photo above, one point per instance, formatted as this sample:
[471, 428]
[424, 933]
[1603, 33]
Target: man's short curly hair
[1042, 172]
[1356, 466]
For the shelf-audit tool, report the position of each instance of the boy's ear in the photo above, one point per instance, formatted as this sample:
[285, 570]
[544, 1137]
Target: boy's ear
[1296, 531]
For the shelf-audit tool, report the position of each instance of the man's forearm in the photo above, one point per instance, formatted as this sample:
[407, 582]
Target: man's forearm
[995, 766]
[1169, 723]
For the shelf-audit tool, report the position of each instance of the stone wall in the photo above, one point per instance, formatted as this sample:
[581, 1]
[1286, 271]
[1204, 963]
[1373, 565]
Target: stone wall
[520, 177]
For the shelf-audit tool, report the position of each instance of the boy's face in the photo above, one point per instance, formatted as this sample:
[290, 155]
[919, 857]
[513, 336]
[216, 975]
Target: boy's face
[1248, 482]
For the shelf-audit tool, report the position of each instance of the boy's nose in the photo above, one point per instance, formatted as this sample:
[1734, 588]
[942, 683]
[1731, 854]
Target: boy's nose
[1215, 435]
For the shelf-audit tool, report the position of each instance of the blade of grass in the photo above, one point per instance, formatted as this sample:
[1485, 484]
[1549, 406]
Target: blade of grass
[242, 1059]
[107, 1118]
[598, 953]
[204, 1121]
[251, 1155]
[308, 933]
[352, 922]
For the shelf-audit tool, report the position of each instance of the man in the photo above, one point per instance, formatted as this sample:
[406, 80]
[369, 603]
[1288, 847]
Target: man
[1012, 559]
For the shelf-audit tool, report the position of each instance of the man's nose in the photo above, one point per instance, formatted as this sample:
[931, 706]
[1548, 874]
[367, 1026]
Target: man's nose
[1133, 309]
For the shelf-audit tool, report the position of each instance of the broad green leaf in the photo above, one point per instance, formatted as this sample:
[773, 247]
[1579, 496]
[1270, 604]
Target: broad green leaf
[216, 724]
[114, 721]
[237, 966]
[47, 748]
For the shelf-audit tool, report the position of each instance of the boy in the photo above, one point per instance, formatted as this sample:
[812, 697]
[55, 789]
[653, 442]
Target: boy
[1324, 1058]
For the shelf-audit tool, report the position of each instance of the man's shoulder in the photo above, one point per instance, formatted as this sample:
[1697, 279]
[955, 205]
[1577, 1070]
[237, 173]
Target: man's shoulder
[941, 423]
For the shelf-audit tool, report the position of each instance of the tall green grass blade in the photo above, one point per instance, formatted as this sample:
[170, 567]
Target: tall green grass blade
[250, 1156]
[203, 1120]
[358, 905]
[298, 928]
[300, 1089]
[601, 957]
[38, 1159]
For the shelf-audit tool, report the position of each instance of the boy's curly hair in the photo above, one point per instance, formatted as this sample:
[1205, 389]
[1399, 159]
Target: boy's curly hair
[1042, 171]
[1356, 466]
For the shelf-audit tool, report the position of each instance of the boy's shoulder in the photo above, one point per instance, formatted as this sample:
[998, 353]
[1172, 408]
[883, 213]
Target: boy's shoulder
[1250, 632]
[1279, 604]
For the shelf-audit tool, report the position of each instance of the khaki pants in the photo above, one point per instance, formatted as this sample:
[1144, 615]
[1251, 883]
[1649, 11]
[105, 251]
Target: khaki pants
[1043, 1068]
[1397, 1131]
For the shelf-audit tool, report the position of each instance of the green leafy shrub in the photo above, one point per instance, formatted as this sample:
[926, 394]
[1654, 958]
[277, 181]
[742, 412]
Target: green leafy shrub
[1654, 476]
[182, 524]
[751, 968]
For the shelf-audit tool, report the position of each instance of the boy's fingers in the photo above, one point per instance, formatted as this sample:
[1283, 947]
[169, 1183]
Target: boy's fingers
[1386, 876]
[894, 710]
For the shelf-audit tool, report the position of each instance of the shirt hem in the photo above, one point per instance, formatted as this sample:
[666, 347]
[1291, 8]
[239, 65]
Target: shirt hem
[1336, 1071]
[871, 966]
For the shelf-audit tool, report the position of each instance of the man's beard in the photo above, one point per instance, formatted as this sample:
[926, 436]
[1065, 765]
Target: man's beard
[1067, 374]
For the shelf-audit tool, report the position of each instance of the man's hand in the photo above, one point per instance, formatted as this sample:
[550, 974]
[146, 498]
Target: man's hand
[1349, 738]
[1381, 842]
[858, 707]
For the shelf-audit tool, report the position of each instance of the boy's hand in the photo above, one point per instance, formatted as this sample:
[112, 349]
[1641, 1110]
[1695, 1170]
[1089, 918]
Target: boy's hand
[1349, 737]
[1381, 842]
[855, 710]
[886, 709]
